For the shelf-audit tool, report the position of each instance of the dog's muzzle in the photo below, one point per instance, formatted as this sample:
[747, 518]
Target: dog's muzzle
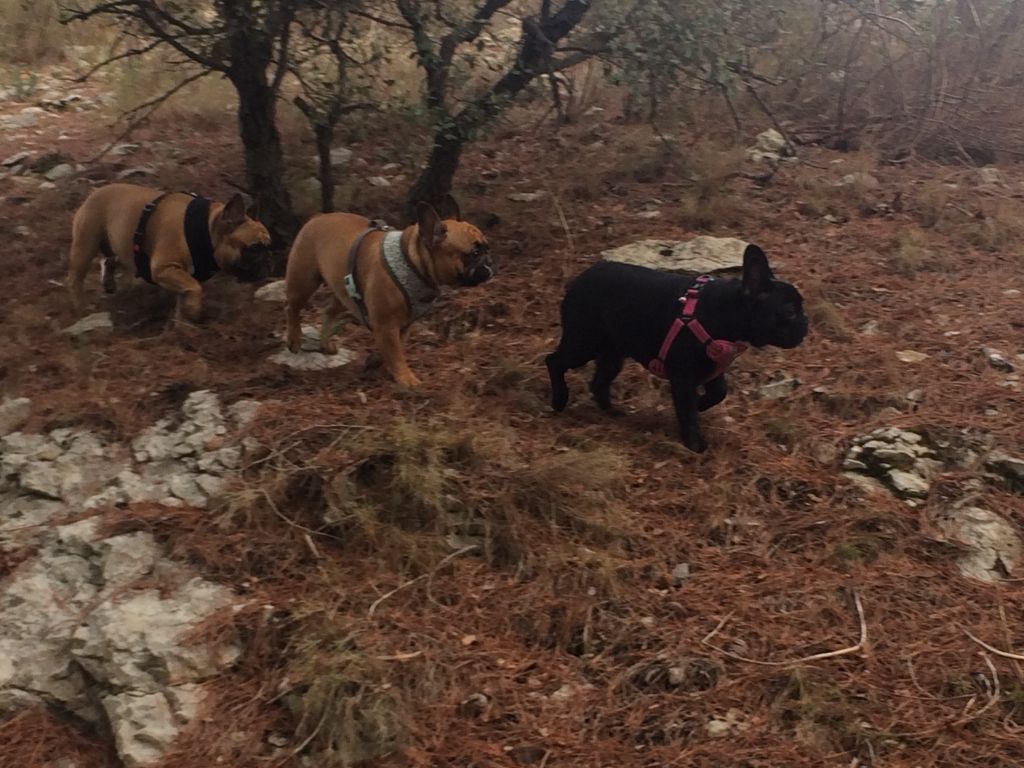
[253, 264]
[479, 270]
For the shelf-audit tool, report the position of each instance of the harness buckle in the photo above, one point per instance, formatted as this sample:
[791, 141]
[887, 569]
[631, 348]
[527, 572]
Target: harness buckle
[351, 288]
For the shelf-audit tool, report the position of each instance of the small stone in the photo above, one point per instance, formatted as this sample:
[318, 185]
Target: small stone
[680, 574]
[527, 197]
[59, 172]
[862, 180]
[211, 485]
[870, 328]
[995, 546]
[378, 181]
[140, 170]
[275, 291]
[1010, 468]
[915, 395]
[16, 122]
[990, 175]
[908, 484]
[911, 356]
[99, 322]
[43, 479]
[1011, 292]
[474, 706]
[244, 412]
[341, 156]
[997, 360]
[776, 390]
[187, 489]
[718, 729]
[278, 740]
[16, 159]
[771, 141]
[14, 413]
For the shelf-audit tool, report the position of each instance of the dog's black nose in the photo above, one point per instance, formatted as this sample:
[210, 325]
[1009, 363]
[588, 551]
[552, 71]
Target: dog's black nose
[479, 274]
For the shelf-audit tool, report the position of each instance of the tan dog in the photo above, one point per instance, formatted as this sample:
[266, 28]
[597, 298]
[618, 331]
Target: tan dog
[384, 279]
[182, 241]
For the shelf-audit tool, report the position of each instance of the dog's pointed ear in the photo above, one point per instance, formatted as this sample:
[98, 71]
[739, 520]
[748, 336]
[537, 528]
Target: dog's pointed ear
[450, 209]
[756, 272]
[432, 229]
[233, 215]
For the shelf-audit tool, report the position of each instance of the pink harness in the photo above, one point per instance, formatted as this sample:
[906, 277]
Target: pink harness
[720, 352]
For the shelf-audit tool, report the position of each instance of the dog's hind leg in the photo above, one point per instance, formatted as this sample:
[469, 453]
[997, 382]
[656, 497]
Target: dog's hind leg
[108, 268]
[299, 289]
[714, 393]
[84, 247]
[332, 323]
[609, 365]
[564, 358]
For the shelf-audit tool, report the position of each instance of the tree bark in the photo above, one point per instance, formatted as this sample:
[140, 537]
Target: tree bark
[264, 156]
[436, 179]
[536, 46]
[324, 141]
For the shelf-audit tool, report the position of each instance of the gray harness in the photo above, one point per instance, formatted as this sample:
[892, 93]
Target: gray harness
[419, 294]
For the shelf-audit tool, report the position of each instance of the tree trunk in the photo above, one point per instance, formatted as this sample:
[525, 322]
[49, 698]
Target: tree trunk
[264, 156]
[537, 44]
[435, 181]
[324, 141]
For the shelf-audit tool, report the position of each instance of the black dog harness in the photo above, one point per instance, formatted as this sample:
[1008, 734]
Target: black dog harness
[418, 292]
[197, 237]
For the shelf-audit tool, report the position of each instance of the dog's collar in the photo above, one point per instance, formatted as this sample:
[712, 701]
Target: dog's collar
[419, 293]
[720, 352]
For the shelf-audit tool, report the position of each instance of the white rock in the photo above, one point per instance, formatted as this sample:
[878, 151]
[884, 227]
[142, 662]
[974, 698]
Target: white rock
[911, 356]
[146, 725]
[993, 543]
[1009, 467]
[127, 558]
[98, 322]
[341, 156]
[997, 360]
[776, 390]
[527, 197]
[14, 412]
[16, 159]
[210, 485]
[704, 254]
[43, 479]
[771, 141]
[136, 641]
[275, 291]
[861, 180]
[990, 175]
[378, 181]
[908, 484]
[184, 487]
[59, 172]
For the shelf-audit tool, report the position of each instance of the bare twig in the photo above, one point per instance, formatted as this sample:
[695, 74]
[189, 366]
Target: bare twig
[141, 113]
[992, 649]
[376, 603]
[860, 646]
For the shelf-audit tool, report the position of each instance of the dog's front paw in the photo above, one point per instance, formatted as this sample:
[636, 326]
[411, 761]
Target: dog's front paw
[328, 346]
[559, 397]
[408, 379]
[695, 441]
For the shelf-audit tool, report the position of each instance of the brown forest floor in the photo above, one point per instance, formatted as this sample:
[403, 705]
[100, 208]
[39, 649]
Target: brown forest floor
[778, 542]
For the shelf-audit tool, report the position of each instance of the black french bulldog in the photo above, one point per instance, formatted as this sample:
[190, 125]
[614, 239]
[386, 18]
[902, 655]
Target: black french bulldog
[613, 311]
